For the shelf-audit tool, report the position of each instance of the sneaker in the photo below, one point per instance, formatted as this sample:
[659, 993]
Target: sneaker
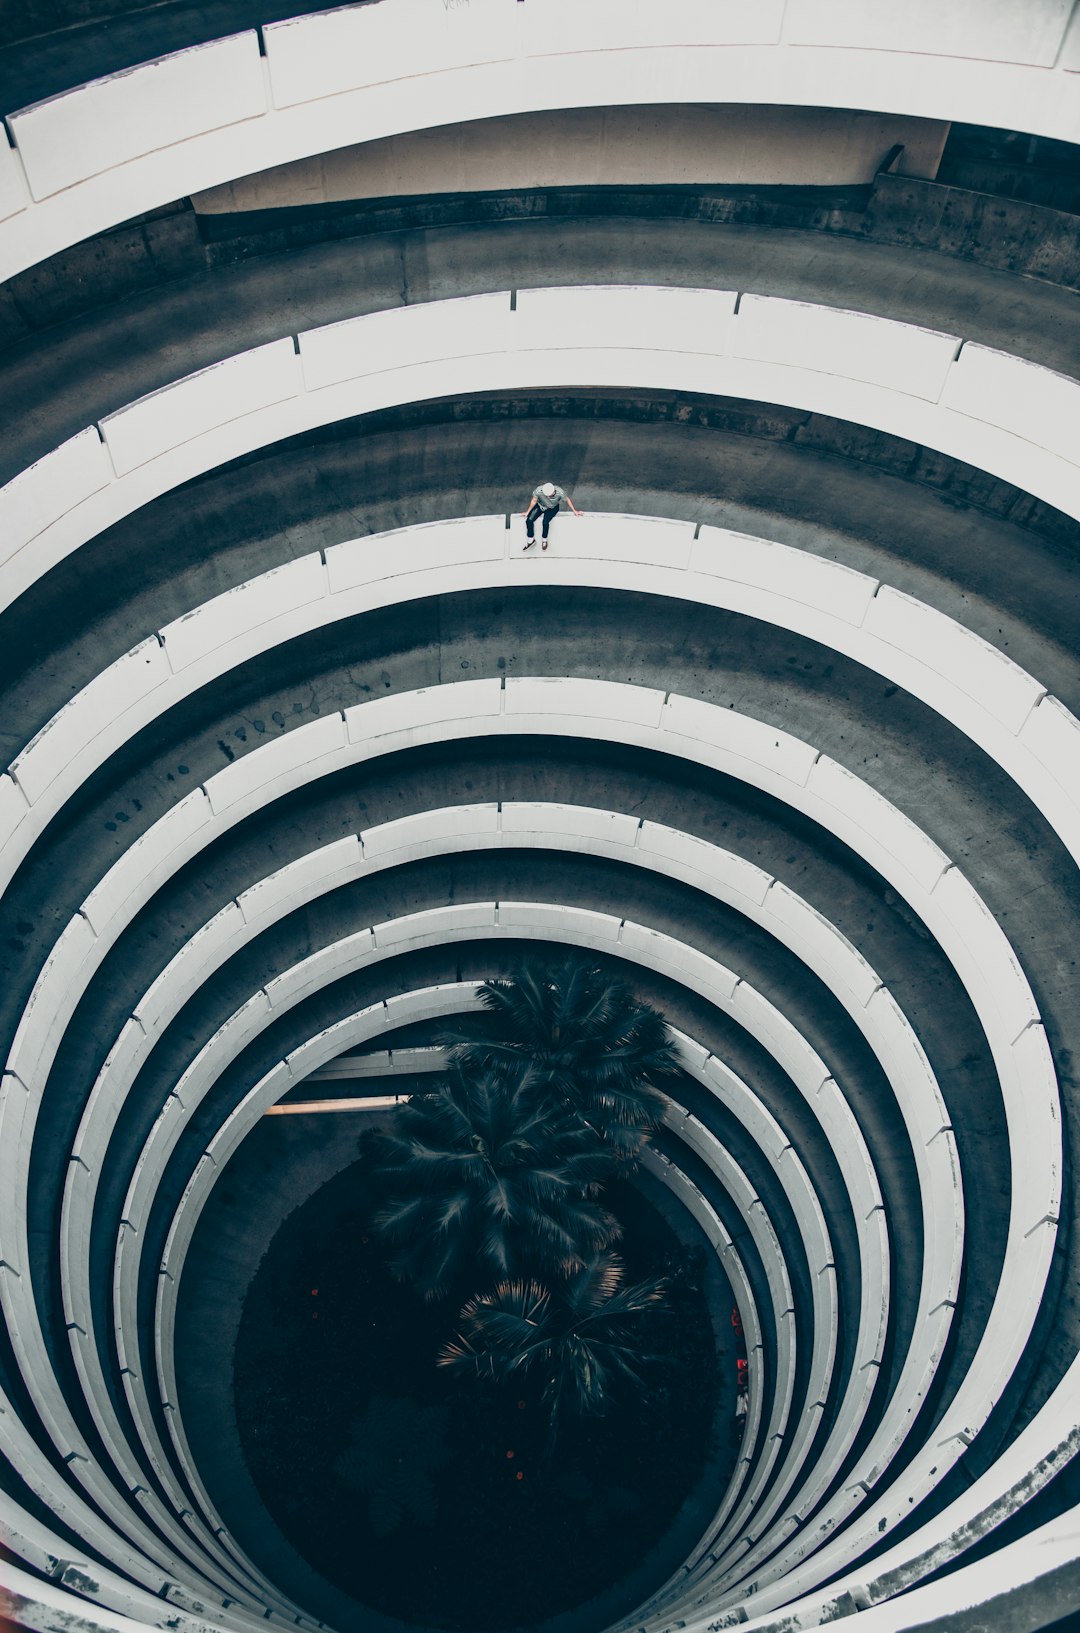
[543, 544]
[528, 544]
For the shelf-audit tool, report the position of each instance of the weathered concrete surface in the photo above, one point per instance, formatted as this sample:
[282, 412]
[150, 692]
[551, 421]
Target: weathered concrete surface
[1013, 235]
[80, 371]
[878, 506]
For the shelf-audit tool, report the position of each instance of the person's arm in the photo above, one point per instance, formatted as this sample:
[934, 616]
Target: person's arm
[573, 507]
[528, 507]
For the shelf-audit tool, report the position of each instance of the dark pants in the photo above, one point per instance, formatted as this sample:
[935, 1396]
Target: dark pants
[538, 510]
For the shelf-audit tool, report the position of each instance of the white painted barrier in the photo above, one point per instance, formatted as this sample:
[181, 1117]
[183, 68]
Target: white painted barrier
[702, 1211]
[873, 371]
[52, 1556]
[429, 547]
[760, 1229]
[1032, 34]
[205, 116]
[230, 390]
[422, 926]
[84, 730]
[69, 1508]
[825, 340]
[771, 1138]
[588, 928]
[358, 1029]
[517, 725]
[972, 666]
[108, 122]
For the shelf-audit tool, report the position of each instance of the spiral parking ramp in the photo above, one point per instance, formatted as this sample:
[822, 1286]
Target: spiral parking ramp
[301, 745]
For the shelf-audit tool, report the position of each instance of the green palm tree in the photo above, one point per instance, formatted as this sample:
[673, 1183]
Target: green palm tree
[585, 1042]
[584, 1339]
[479, 1179]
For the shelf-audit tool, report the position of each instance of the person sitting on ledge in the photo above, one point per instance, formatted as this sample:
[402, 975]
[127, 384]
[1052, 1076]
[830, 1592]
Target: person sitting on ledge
[546, 500]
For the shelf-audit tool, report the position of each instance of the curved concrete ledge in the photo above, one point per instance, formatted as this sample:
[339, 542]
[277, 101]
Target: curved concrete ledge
[984, 407]
[74, 1227]
[701, 1210]
[66, 1567]
[708, 868]
[971, 684]
[450, 1000]
[685, 965]
[1022, 1015]
[463, 922]
[1020, 1010]
[116, 147]
[320, 730]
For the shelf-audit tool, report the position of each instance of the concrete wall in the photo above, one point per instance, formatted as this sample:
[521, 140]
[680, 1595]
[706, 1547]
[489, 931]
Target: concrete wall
[736, 145]
[108, 150]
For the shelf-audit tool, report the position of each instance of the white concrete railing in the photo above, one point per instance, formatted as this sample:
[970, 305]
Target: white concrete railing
[276, 886]
[985, 407]
[971, 684]
[981, 1588]
[377, 1019]
[423, 1004]
[164, 1578]
[600, 833]
[96, 1601]
[358, 951]
[78, 1305]
[895, 848]
[362, 948]
[280, 745]
[65, 1566]
[731, 1261]
[105, 151]
[231, 601]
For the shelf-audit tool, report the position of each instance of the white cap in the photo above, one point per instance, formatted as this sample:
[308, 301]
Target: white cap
[548, 489]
